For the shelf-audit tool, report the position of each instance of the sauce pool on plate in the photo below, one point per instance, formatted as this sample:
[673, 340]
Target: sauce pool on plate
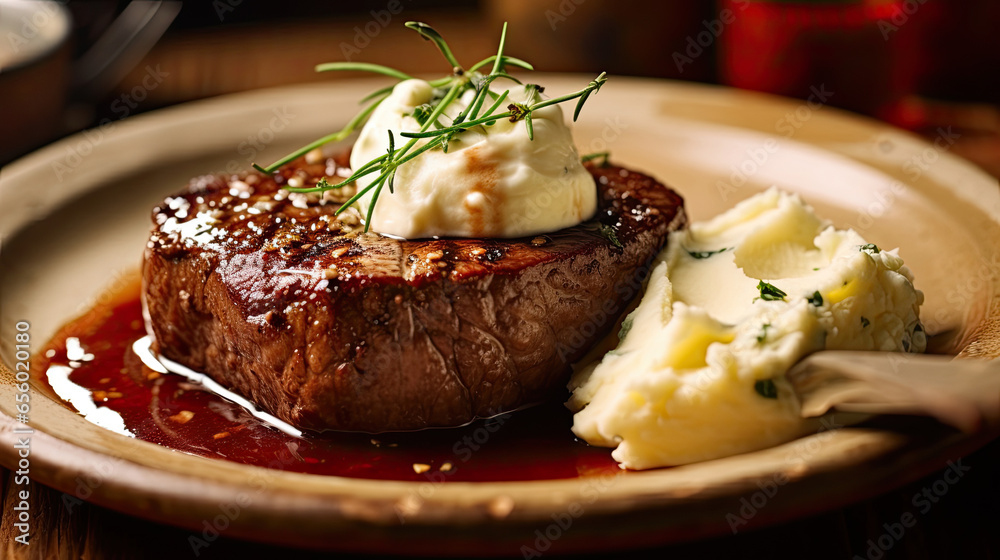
[92, 368]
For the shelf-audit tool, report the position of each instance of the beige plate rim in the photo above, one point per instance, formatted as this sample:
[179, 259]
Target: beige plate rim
[144, 479]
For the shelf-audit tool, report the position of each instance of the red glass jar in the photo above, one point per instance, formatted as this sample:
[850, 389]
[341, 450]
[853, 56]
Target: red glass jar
[866, 53]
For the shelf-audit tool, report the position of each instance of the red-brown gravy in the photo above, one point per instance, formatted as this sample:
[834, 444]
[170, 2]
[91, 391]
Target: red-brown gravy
[171, 411]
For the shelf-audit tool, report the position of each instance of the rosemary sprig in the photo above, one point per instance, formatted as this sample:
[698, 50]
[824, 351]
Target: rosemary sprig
[510, 60]
[515, 112]
[430, 34]
[363, 67]
[434, 133]
[603, 156]
[354, 123]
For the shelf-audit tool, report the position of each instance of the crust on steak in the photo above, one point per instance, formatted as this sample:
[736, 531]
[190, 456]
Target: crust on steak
[327, 327]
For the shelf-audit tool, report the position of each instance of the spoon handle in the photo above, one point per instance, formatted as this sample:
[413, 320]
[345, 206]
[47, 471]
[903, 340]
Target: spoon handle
[963, 393]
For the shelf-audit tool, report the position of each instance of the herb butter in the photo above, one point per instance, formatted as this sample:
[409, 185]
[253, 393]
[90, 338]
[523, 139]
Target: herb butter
[493, 181]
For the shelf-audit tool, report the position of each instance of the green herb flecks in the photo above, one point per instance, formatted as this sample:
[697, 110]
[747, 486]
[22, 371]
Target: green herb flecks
[769, 292]
[608, 233]
[706, 254]
[766, 388]
[763, 333]
[865, 322]
[816, 299]
[626, 326]
[870, 248]
[437, 134]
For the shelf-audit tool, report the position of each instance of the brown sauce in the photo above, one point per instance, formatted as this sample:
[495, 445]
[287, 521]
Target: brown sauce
[168, 410]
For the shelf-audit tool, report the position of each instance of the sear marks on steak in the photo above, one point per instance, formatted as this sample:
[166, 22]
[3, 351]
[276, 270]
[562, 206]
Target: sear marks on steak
[326, 327]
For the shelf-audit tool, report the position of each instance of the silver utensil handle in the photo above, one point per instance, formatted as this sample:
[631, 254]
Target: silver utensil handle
[964, 393]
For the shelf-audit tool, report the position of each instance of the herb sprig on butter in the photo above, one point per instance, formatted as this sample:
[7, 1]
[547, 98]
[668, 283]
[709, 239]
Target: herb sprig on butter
[437, 129]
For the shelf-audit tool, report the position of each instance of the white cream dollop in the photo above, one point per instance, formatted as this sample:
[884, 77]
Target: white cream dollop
[688, 381]
[493, 182]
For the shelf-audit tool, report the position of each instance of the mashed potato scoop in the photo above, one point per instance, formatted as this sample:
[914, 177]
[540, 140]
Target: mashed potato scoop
[731, 305]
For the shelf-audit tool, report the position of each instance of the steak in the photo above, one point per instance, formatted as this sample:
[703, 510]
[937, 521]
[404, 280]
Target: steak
[327, 327]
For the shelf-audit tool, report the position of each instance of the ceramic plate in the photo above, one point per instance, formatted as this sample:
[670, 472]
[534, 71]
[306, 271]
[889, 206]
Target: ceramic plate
[74, 218]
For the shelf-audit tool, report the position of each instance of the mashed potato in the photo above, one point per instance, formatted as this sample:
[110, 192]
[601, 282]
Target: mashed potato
[730, 306]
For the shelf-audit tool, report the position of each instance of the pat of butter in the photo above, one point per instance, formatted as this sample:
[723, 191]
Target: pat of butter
[684, 383]
[493, 182]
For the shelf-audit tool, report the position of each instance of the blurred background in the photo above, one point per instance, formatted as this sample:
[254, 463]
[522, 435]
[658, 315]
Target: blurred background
[918, 64]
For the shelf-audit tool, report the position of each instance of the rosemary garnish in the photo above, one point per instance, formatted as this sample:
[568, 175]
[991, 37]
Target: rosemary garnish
[437, 135]
[603, 156]
[608, 232]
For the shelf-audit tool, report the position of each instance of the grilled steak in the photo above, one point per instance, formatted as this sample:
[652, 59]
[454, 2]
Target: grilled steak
[326, 327]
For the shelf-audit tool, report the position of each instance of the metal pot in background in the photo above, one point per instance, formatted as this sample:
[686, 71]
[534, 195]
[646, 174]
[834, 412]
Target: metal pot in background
[46, 89]
[35, 54]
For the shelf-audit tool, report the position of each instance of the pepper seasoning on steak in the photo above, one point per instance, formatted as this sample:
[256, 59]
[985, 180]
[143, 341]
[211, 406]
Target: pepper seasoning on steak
[326, 327]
